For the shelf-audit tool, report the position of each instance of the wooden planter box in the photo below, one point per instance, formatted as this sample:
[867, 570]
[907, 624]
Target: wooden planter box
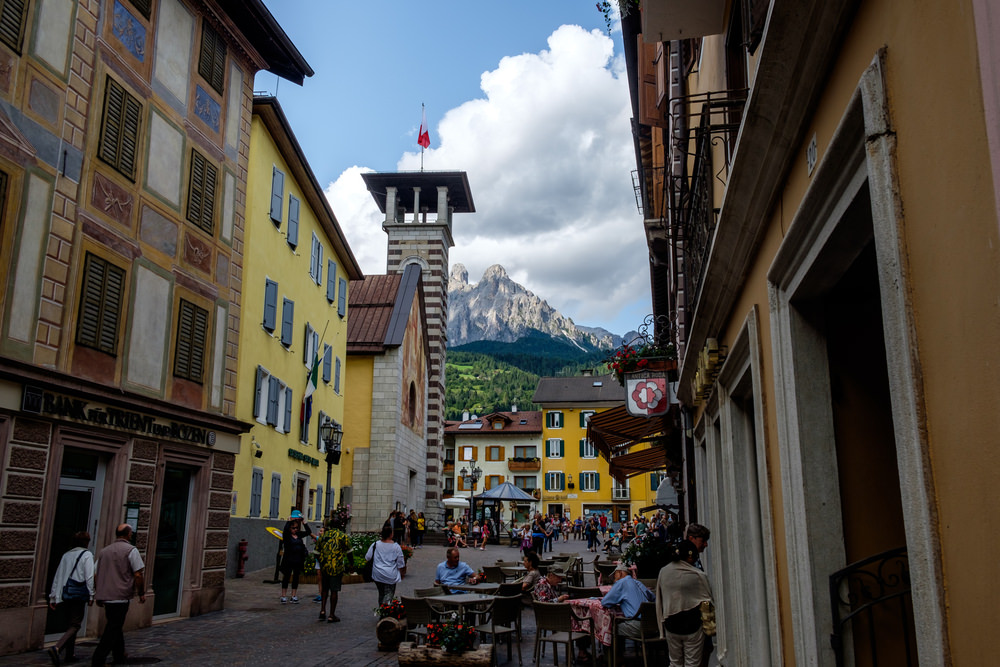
[426, 655]
[531, 466]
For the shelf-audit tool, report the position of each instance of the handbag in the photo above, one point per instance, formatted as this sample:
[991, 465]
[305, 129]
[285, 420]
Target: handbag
[74, 590]
[708, 625]
[366, 569]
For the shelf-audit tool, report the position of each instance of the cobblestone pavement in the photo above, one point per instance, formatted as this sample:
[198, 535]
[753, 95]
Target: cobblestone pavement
[254, 629]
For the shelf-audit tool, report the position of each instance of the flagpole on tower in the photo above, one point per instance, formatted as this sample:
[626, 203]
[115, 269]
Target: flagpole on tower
[423, 137]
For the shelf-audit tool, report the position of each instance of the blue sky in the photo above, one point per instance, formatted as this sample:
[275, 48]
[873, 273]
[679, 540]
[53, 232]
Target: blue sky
[530, 99]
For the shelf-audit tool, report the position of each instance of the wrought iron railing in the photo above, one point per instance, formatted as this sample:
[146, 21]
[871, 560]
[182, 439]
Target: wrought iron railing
[873, 611]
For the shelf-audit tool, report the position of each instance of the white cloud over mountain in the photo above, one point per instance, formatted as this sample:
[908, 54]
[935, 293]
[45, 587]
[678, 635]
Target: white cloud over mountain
[548, 151]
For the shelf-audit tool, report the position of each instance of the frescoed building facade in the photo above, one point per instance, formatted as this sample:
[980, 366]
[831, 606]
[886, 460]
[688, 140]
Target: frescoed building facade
[125, 131]
[297, 266]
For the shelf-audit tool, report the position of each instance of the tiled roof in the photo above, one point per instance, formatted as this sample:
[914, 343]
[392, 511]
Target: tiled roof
[515, 423]
[586, 389]
[370, 304]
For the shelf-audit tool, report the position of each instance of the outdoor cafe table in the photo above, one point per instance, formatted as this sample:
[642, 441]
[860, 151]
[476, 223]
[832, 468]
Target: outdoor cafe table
[513, 572]
[602, 618]
[481, 587]
[462, 600]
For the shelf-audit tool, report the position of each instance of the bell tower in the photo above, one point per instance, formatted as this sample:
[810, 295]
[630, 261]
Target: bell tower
[419, 207]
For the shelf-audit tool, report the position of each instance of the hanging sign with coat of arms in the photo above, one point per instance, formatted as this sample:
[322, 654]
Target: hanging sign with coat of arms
[648, 393]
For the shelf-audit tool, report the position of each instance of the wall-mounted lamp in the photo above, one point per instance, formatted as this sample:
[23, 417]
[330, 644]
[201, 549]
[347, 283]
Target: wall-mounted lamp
[257, 451]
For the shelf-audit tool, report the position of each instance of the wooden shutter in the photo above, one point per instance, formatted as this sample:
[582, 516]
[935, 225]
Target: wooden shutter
[201, 192]
[270, 304]
[293, 221]
[287, 320]
[287, 427]
[212, 60]
[649, 114]
[331, 280]
[192, 333]
[143, 6]
[131, 118]
[258, 388]
[342, 298]
[12, 20]
[277, 194]
[327, 363]
[100, 305]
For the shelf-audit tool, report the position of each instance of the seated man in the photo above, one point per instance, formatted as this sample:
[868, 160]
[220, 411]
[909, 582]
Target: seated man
[545, 588]
[627, 594]
[453, 572]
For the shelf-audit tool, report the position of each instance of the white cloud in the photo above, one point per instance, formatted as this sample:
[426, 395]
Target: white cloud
[549, 153]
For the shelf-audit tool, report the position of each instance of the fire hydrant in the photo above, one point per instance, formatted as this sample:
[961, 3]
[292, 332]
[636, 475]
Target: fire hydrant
[241, 559]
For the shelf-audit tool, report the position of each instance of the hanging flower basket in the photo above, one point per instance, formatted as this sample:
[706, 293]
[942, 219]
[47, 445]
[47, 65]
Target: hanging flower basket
[645, 358]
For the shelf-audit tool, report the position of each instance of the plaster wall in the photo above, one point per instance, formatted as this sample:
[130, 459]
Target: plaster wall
[174, 47]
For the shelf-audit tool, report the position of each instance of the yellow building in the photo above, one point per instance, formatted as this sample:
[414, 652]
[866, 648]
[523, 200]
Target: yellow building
[575, 478]
[821, 193]
[296, 270]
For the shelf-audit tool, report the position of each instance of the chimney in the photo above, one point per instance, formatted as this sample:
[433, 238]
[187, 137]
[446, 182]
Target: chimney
[513, 408]
[465, 416]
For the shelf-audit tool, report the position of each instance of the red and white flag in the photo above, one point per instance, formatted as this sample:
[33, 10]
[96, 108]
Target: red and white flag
[424, 137]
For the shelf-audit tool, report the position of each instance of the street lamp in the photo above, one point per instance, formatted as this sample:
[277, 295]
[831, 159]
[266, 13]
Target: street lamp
[472, 476]
[331, 433]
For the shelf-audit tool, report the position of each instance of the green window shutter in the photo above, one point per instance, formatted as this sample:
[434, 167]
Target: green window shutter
[13, 15]
[597, 481]
[654, 481]
[562, 448]
[562, 481]
[583, 441]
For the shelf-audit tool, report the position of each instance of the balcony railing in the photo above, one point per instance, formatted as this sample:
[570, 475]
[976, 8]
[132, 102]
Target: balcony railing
[524, 464]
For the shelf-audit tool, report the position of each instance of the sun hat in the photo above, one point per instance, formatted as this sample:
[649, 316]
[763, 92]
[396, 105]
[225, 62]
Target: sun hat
[622, 568]
[297, 515]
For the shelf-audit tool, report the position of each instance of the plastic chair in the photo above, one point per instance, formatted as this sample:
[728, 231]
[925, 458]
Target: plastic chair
[648, 629]
[505, 621]
[554, 625]
[428, 592]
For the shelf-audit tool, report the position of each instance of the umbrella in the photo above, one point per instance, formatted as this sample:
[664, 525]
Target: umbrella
[506, 491]
[455, 501]
[274, 531]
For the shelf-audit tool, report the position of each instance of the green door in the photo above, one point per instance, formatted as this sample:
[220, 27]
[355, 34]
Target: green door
[168, 564]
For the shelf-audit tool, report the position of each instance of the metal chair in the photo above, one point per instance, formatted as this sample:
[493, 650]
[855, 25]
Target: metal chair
[418, 614]
[505, 621]
[577, 592]
[493, 574]
[648, 629]
[605, 570]
[554, 625]
[509, 588]
[428, 592]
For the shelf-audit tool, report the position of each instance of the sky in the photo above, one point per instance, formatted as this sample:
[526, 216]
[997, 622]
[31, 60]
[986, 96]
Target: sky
[530, 99]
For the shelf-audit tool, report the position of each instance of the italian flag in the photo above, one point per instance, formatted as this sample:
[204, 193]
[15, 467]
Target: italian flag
[311, 383]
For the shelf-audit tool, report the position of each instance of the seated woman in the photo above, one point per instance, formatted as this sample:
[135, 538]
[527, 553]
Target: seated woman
[532, 575]
[457, 535]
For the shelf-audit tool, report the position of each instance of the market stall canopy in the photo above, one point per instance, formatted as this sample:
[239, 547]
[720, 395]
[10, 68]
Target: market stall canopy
[455, 501]
[616, 428]
[635, 463]
[506, 491]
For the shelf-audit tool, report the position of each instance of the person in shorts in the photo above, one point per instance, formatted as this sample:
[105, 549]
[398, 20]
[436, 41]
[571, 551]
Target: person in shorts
[335, 558]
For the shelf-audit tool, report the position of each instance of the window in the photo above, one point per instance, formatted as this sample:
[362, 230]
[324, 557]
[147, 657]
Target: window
[256, 490]
[292, 237]
[100, 305]
[587, 449]
[449, 485]
[466, 453]
[585, 416]
[555, 481]
[526, 482]
[524, 452]
[342, 298]
[310, 347]
[277, 195]
[120, 129]
[554, 448]
[260, 395]
[498, 425]
[331, 280]
[275, 495]
[493, 480]
[619, 491]
[590, 481]
[189, 350]
[201, 192]
[320, 509]
[13, 15]
[287, 320]
[494, 453]
[212, 61]
[270, 305]
[143, 6]
[327, 362]
[654, 481]
[463, 485]
[336, 375]
[316, 261]
[553, 419]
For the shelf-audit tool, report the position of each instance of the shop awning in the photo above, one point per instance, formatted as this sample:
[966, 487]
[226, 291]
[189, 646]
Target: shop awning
[635, 463]
[616, 428]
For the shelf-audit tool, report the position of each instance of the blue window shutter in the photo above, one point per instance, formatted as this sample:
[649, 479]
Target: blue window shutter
[288, 410]
[562, 449]
[327, 363]
[293, 221]
[270, 304]
[597, 481]
[654, 481]
[331, 280]
[319, 263]
[257, 390]
[277, 194]
[313, 257]
[342, 298]
[272, 401]
[336, 376]
[287, 320]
